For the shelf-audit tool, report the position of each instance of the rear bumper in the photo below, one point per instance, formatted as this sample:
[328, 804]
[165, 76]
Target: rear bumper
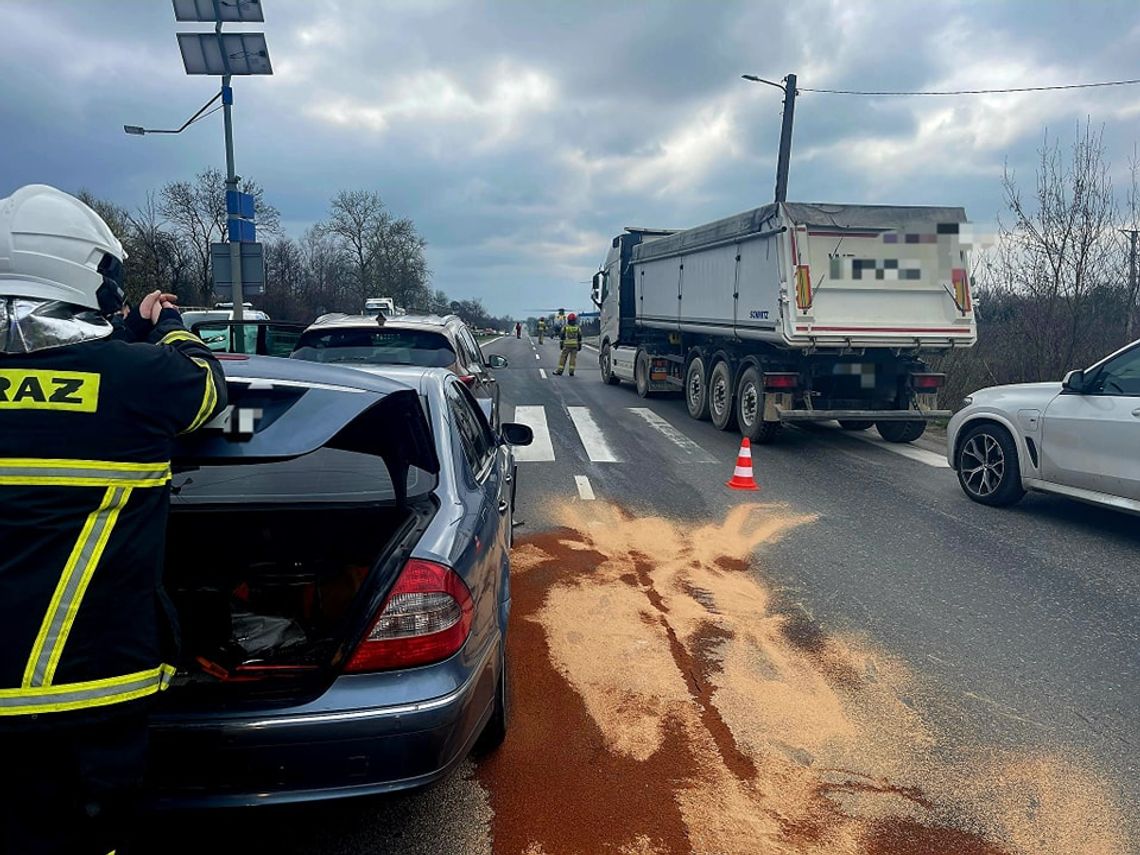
[863, 415]
[298, 756]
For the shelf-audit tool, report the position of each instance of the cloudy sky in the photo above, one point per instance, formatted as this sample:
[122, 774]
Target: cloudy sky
[520, 136]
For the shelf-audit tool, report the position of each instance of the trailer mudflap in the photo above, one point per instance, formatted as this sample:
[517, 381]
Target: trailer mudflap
[862, 415]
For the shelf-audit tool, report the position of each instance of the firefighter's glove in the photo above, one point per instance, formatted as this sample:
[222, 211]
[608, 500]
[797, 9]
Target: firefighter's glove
[142, 318]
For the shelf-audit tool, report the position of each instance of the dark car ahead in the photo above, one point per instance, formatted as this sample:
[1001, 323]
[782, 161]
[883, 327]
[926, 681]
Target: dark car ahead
[426, 340]
[338, 558]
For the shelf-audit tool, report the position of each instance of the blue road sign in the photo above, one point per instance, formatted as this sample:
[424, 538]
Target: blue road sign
[239, 204]
[242, 231]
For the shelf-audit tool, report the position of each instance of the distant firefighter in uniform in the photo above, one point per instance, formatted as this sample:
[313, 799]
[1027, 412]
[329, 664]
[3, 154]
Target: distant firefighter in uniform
[541, 329]
[571, 338]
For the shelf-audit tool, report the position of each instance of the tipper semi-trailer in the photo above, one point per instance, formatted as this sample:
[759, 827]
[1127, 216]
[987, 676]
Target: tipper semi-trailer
[791, 312]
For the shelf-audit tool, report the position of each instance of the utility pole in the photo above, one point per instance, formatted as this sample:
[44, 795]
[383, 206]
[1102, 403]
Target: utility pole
[786, 138]
[1132, 285]
[788, 87]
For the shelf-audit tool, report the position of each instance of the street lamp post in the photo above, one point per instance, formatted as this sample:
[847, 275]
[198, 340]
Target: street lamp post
[224, 55]
[231, 191]
[788, 87]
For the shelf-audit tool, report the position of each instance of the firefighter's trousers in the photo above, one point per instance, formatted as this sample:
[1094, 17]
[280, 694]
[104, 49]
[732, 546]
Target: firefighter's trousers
[73, 790]
[572, 353]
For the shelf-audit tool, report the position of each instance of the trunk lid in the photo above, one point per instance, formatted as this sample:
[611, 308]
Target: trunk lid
[291, 516]
[281, 409]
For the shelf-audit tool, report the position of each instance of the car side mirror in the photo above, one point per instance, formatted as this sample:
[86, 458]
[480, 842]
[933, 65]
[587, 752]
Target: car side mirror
[497, 361]
[1074, 382]
[514, 433]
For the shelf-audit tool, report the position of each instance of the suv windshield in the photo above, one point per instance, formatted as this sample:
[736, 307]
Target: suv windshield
[379, 346]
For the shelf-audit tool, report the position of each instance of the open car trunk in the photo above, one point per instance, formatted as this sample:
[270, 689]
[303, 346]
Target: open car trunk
[276, 565]
[279, 599]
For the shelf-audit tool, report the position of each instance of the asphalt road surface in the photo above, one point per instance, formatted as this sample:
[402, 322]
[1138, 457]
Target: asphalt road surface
[855, 658]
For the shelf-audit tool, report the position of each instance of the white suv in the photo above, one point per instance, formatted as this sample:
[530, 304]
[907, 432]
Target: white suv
[1079, 438]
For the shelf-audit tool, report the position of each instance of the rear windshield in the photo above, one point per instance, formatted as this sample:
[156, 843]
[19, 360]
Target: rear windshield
[325, 475]
[378, 347]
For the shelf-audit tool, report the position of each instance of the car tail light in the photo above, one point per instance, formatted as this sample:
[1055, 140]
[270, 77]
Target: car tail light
[468, 379]
[426, 618]
[927, 382]
[781, 380]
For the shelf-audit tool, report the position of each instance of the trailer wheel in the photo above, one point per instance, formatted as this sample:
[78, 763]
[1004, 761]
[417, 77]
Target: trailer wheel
[697, 389]
[900, 431]
[606, 360]
[750, 409]
[854, 424]
[641, 373]
[721, 409]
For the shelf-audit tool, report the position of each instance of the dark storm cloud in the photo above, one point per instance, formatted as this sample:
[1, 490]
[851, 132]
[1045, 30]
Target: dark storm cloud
[520, 136]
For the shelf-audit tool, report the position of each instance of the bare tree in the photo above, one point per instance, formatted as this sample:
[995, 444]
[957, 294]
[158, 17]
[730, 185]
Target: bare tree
[359, 219]
[402, 266]
[1057, 250]
[196, 212]
[1130, 223]
[158, 261]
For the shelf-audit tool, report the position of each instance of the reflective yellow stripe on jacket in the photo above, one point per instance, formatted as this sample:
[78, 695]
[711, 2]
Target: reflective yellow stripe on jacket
[37, 693]
[72, 585]
[209, 396]
[92, 693]
[62, 472]
[180, 335]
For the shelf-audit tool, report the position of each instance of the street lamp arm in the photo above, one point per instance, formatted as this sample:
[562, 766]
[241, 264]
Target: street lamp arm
[756, 79]
[784, 158]
[136, 130]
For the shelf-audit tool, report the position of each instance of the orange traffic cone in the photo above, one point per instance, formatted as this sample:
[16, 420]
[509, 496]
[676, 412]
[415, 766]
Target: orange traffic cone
[742, 476]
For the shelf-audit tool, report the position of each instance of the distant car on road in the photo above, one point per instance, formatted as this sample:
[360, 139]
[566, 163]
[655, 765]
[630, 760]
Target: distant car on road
[340, 574]
[429, 341]
[1079, 438]
[215, 335]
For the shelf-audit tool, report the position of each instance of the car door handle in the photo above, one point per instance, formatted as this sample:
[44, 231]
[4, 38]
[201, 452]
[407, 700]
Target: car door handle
[504, 506]
[1136, 412]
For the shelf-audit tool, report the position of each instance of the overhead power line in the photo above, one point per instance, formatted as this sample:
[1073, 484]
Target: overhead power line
[975, 91]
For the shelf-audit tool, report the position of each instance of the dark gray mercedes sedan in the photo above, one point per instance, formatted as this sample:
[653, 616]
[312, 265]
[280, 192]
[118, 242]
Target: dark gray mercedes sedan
[338, 563]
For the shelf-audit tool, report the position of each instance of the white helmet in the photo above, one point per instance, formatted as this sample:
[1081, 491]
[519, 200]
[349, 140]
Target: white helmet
[54, 247]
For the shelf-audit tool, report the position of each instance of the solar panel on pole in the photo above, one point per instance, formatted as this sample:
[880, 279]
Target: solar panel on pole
[227, 11]
[219, 54]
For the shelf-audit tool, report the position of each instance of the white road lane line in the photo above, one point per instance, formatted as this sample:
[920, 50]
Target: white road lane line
[542, 449]
[903, 450]
[538, 356]
[695, 454]
[597, 449]
[542, 373]
[585, 491]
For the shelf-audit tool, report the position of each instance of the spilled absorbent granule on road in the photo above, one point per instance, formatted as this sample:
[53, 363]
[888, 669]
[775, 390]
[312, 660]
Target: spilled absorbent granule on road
[666, 702]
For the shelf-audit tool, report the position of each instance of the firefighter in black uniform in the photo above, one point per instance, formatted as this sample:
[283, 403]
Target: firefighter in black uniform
[89, 410]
